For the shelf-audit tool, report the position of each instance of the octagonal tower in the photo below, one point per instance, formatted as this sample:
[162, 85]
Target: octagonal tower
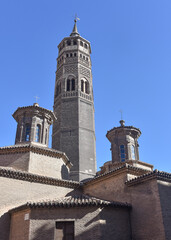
[74, 131]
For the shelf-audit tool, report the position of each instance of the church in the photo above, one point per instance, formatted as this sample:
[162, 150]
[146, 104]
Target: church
[56, 193]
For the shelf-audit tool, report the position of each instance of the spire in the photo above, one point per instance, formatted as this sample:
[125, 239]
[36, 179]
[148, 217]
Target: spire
[75, 31]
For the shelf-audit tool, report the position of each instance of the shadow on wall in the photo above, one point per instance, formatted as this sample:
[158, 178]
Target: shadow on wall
[4, 226]
[107, 223]
[46, 231]
[64, 172]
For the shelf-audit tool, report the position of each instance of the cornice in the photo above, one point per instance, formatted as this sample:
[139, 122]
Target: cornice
[24, 148]
[158, 175]
[32, 107]
[25, 176]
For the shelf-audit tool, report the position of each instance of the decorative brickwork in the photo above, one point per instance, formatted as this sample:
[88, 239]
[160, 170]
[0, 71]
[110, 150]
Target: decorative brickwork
[85, 71]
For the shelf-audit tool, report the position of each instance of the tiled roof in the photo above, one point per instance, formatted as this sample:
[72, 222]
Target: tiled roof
[26, 147]
[116, 170]
[73, 201]
[148, 176]
[30, 177]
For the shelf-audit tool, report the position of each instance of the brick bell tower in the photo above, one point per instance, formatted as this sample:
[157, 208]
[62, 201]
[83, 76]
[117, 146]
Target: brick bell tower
[74, 130]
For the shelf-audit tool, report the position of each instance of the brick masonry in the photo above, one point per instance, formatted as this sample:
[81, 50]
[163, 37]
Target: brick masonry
[146, 214]
[90, 223]
[17, 192]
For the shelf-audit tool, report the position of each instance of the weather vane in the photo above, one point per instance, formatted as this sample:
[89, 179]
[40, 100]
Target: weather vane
[76, 18]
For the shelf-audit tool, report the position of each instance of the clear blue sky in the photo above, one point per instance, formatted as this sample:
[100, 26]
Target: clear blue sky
[131, 58]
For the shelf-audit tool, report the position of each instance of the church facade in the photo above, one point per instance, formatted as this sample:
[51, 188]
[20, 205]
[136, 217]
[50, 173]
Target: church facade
[57, 193]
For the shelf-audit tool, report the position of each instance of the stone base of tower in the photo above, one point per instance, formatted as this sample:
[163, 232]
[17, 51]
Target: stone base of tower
[80, 176]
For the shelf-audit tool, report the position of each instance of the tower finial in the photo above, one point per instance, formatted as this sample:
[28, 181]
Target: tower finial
[122, 122]
[36, 97]
[75, 31]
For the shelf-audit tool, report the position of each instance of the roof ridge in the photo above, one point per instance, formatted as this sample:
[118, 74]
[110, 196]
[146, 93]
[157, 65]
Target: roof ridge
[125, 165]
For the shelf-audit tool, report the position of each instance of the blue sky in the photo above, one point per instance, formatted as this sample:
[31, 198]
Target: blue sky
[131, 64]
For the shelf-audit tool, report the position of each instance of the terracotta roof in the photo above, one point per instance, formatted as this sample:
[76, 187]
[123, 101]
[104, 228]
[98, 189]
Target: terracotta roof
[30, 177]
[27, 147]
[116, 171]
[72, 201]
[148, 176]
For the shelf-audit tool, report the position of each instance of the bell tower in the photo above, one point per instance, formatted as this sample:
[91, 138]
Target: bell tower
[74, 130]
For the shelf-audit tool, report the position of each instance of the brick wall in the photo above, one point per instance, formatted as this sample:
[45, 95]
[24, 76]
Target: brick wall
[90, 223]
[113, 188]
[20, 223]
[146, 214]
[17, 160]
[35, 163]
[45, 165]
[165, 200]
[16, 192]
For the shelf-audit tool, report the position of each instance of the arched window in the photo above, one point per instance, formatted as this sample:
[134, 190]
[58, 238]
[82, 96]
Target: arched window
[82, 86]
[122, 153]
[87, 87]
[38, 133]
[85, 45]
[70, 54]
[73, 84]
[68, 42]
[81, 43]
[133, 152]
[27, 132]
[68, 85]
[75, 42]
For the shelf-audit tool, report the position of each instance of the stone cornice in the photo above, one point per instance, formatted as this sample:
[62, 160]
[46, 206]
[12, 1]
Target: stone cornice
[126, 168]
[24, 148]
[158, 175]
[25, 176]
